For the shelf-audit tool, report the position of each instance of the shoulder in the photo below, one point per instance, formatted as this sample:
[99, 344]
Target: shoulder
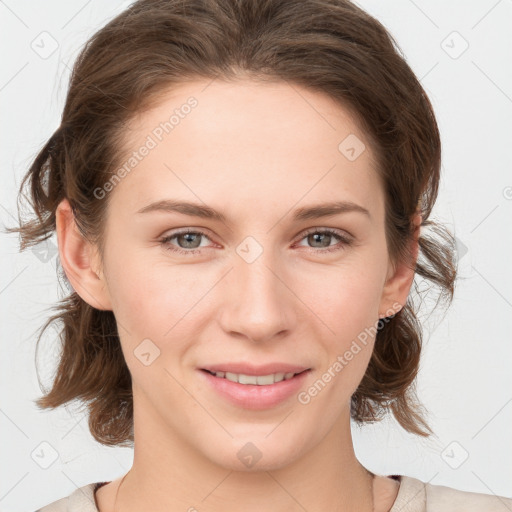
[447, 498]
[80, 500]
[417, 496]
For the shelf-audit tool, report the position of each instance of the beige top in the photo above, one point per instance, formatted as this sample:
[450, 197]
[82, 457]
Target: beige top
[413, 496]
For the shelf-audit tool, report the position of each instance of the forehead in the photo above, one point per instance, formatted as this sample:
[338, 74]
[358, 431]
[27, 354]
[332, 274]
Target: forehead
[248, 144]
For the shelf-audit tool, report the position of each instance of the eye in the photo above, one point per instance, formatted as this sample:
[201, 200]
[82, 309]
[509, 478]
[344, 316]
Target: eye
[322, 238]
[189, 241]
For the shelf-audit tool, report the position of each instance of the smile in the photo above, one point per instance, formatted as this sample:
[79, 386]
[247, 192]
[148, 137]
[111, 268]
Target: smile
[255, 392]
[259, 380]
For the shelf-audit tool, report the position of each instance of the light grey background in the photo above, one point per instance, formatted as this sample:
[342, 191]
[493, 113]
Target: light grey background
[465, 380]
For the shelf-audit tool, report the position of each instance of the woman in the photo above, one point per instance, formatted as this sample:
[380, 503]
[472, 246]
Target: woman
[240, 192]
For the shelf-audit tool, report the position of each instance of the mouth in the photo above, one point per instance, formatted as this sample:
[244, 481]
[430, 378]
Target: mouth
[257, 380]
[255, 388]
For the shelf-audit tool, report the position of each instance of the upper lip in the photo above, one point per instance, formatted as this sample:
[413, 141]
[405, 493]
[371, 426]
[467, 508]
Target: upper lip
[249, 369]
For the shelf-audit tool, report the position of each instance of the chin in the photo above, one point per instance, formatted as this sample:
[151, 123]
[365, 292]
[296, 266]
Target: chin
[256, 453]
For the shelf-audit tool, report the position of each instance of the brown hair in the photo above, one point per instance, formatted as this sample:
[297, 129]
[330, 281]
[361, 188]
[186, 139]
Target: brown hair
[328, 46]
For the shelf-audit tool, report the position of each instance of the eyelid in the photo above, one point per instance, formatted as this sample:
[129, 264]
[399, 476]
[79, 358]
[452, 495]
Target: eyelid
[167, 236]
[345, 239]
[205, 232]
[345, 235]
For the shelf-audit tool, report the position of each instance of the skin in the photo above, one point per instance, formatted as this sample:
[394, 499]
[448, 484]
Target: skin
[255, 152]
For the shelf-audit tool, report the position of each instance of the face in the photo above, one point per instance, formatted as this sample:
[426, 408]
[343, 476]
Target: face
[265, 283]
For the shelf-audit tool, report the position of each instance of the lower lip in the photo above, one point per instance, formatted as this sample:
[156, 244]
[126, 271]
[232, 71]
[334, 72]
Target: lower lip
[252, 396]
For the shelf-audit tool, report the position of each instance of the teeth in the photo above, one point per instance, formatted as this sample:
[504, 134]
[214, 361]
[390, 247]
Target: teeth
[260, 380]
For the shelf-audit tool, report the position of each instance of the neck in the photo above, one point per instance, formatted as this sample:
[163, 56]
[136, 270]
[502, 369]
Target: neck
[168, 474]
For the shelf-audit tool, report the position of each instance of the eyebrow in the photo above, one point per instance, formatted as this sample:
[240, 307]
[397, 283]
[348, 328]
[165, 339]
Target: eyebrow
[306, 213]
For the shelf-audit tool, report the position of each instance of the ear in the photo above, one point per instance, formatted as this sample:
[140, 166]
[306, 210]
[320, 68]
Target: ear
[400, 278]
[80, 260]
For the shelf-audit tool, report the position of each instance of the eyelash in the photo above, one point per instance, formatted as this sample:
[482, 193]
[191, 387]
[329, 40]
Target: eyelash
[344, 239]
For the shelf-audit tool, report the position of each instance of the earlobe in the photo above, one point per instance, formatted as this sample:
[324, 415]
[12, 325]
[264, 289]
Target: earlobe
[80, 260]
[398, 284]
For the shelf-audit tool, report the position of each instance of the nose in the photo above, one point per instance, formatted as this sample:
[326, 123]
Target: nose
[257, 304]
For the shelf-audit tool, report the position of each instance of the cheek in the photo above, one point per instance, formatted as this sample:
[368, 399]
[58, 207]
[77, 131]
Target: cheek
[143, 293]
[346, 298]
[349, 306]
[158, 302]
[350, 309]
[150, 306]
